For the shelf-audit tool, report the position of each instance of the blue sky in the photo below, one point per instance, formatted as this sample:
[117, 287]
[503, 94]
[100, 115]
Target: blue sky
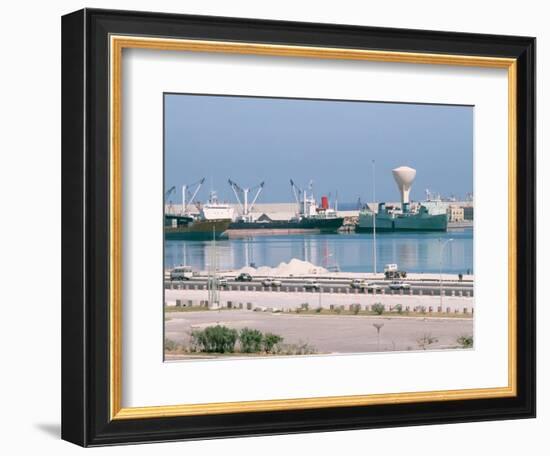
[332, 143]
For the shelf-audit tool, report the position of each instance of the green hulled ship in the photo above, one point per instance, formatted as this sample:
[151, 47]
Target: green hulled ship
[386, 221]
[185, 227]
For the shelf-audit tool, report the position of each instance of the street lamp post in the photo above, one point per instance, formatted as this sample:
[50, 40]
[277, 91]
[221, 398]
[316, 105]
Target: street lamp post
[374, 218]
[441, 271]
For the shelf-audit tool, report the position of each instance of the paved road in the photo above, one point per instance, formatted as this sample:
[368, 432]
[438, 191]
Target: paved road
[331, 286]
[328, 333]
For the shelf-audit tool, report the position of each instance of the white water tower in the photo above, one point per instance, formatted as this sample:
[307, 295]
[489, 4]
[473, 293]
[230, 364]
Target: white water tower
[404, 177]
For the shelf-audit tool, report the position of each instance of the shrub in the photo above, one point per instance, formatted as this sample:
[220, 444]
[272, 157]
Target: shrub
[378, 308]
[251, 340]
[356, 308]
[399, 308]
[466, 341]
[215, 339]
[318, 310]
[170, 345]
[426, 340]
[270, 341]
[301, 348]
[420, 309]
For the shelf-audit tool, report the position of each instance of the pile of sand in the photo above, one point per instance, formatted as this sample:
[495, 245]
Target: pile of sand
[293, 268]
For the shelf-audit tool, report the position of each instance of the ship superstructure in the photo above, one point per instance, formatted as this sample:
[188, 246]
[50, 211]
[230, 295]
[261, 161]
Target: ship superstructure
[212, 220]
[408, 217]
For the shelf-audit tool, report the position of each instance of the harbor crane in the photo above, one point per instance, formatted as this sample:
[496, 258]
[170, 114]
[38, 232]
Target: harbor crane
[299, 194]
[188, 194]
[167, 195]
[306, 204]
[239, 191]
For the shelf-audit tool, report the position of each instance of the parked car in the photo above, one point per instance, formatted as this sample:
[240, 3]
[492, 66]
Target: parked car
[397, 285]
[311, 285]
[271, 282]
[220, 281]
[358, 283]
[364, 285]
[181, 273]
[244, 277]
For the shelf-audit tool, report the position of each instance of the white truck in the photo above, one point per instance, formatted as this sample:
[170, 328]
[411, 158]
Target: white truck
[391, 271]
[181, 273]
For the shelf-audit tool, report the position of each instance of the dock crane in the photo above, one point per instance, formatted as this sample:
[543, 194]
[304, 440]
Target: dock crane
[167, 195]
[306, 205]
[187, 196]
[239, 191]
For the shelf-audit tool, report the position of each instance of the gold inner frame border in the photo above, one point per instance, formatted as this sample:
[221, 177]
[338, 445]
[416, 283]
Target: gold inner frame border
[116, 46]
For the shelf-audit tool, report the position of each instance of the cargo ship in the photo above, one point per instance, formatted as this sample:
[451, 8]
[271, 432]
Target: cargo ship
[183, 227]
[309, 218]
[391, 221]
[403, 218]
[212, 222]
[318, 223]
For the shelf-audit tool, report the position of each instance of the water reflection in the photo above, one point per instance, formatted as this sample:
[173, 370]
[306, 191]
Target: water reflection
[414, 252]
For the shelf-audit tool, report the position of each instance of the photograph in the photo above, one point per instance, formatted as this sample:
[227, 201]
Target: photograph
[308, 227]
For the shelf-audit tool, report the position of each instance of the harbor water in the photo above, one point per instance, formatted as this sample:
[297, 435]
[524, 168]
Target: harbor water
[411, 251]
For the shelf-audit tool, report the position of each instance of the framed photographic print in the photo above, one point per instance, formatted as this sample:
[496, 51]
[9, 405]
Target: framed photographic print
[278, 227]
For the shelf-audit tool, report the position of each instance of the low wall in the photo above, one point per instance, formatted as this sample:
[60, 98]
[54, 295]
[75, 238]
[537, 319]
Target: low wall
[297, 299]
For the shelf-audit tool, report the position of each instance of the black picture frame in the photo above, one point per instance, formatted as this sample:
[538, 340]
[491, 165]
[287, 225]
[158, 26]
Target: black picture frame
[85, 228]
